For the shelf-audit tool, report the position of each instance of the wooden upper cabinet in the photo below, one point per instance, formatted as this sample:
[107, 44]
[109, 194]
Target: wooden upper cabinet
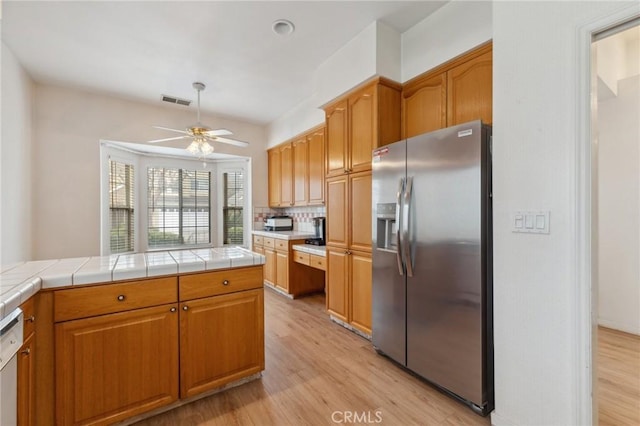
[360, 218]
[365, 119]
[424, 102]
[336, 122]
[300, 171]
[455, 92]
[316, 142]
[362, 129]
[274, 177]
[469, 91]
[286, 175]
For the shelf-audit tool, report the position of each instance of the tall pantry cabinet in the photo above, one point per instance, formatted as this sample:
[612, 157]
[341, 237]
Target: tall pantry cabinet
[357, 123]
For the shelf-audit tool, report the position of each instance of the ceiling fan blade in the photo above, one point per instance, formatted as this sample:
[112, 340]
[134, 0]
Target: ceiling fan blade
[235, 142]
[169, 139]
[171, 130]
[218, 132]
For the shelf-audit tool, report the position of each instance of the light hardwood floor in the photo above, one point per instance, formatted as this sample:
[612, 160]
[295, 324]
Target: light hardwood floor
[618, 378]
[315, 370]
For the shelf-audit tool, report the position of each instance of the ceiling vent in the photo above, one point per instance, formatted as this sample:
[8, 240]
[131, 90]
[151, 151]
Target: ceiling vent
[174, 100]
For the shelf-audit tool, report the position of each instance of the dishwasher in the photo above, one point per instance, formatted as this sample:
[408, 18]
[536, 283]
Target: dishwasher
[10, 342]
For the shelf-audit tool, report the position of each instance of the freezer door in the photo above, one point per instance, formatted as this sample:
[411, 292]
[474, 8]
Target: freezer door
[444, 293]
[389, 287]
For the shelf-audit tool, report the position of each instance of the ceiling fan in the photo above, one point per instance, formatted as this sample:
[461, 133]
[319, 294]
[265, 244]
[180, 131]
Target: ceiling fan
[201, 135]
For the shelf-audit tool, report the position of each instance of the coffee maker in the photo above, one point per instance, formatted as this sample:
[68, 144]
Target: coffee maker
[319, 227]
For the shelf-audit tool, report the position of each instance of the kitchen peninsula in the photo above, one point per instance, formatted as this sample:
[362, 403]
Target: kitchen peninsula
[121, 336]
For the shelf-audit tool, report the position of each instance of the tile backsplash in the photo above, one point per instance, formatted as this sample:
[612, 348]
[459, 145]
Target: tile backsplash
[301, 216]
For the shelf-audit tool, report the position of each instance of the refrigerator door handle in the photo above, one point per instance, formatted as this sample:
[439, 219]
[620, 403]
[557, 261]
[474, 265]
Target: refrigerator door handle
[399, 226]
[406, 222]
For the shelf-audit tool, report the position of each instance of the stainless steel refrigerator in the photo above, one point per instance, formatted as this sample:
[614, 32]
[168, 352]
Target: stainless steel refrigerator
[432, 274]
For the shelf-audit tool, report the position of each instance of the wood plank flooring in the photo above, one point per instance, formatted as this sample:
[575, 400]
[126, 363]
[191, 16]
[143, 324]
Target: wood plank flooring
[618, 366]
[316, 369]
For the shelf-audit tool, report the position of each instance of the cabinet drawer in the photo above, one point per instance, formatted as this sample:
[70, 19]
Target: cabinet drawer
[282, 245]
[220, 282]
[28, 311]
[258, 240]
[109, 298]
[268, 242]
[301, 257]
[318, 262]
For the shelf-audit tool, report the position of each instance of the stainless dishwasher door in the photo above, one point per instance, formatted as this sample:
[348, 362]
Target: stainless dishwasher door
[10, 342]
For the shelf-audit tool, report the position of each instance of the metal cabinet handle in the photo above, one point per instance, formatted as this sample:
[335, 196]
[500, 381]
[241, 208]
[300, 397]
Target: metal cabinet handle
[26, 351]
[185, 308]
[225, 282]
[172, 310]
[32, 318]
[121, 298]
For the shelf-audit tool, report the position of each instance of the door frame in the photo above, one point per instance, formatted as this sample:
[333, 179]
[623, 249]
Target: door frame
[585, 209]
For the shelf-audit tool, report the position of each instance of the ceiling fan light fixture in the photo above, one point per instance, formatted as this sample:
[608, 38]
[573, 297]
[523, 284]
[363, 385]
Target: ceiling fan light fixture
[200, 147]
[283, 27]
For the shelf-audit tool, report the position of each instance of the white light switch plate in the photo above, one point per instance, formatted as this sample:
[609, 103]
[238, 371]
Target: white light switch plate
[531, 221]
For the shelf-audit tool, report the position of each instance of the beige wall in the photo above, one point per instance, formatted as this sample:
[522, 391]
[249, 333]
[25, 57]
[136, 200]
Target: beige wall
[68, 126]
[15, 166]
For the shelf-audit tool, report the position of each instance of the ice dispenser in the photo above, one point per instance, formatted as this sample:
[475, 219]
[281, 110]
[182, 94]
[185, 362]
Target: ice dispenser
[386, 226]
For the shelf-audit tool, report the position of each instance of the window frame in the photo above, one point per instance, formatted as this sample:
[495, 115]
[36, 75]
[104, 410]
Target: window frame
[141, 161]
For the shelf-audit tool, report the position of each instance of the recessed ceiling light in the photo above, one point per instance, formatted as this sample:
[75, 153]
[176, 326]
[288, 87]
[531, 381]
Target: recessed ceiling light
[283, 27]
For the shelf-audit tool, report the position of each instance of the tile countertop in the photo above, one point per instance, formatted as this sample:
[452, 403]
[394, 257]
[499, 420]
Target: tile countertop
[311, 249]
[285, 235]
[20, 281]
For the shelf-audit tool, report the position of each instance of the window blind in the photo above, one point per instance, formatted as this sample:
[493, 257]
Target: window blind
[232, 210]
[178, 207]
[121, 184]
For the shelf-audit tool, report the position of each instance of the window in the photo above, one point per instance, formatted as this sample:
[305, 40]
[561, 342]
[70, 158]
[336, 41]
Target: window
[232, 209]
[178, 207]
[121, 219]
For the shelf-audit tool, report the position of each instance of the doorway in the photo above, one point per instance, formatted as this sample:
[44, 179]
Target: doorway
[616, 223]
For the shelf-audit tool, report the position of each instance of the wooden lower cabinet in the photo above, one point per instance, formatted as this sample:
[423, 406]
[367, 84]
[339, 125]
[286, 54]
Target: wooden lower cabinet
[221, 340]
[361, 280]
[111, 367]
[338, 282]
[282, 270]
[26, 382]
[270, 266]
[349, 284]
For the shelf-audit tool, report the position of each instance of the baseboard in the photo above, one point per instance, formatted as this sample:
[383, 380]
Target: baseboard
[627, 328]
[498, 420]
[350, 327]
[278, 290]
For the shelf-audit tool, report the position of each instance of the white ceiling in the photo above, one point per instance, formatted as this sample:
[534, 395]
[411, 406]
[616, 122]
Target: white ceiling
[140, 50]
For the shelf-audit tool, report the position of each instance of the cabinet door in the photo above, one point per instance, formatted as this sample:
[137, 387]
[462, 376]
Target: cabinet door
[274, 177]
[337, 281]
[337, 211]
[300, 172]
[362, 129]
[221, 340]
[282, 270]
[361, 283]
[286, 175]
[360, 218]
[112, 367]
[316, 167]
[270, 266]
[424, 105]
[336, 120]
[26, 382]
[469, 91]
